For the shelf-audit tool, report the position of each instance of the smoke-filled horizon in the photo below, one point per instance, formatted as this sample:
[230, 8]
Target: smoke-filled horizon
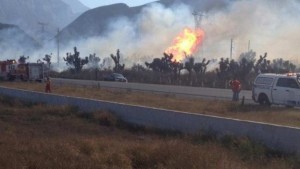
[271, 26]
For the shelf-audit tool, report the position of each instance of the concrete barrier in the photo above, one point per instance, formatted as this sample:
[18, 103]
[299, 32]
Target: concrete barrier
[186, 91]
[278, 137]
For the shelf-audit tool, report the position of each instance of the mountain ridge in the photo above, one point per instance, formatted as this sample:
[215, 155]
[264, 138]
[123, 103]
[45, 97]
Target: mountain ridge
[38, 17]
[94, 22]
[14, 38]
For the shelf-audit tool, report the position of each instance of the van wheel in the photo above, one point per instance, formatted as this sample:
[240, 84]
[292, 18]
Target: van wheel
[263, 100]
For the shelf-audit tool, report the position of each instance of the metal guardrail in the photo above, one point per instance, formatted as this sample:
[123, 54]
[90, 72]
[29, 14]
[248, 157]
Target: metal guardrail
[182, 91]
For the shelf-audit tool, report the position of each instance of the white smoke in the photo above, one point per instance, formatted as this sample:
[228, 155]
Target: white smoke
[143, 38]
[262, 26]
[271, 26]
[14, 42]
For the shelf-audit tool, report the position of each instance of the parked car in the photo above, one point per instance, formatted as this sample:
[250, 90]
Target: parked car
[280, 89]
[117, 77]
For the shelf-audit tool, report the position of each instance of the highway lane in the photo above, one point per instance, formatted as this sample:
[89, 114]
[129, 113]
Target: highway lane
[183, 91]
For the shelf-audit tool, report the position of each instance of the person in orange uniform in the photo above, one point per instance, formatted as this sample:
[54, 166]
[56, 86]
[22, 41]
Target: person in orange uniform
[236, 88]
[48, 85]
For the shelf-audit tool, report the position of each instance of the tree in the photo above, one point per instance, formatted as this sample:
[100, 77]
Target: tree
[200, 68]
[166, 66]
[189, 65]
[167, 63]
[245, 65]
[94, 61]
[249, 56]
[75, 61]
[224, 65]
[116, 58]
[22, 59]
[94, 64]
[261, 64]
[155, 65]
[138, 68]
[47, 58]
[39, 61]
[282, 66]
[176, 68]
[163, 65]
[204, 66]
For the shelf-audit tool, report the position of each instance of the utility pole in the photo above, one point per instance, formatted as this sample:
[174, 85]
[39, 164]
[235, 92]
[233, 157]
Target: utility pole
[231, 48]
[249, 46]
[198, 19]
[43, 25]
[57, 36]
[198, 16]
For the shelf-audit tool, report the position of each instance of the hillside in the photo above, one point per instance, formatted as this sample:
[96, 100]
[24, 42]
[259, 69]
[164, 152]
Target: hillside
[76, 6]
[14, 38]
[95, 22]
[29, 14]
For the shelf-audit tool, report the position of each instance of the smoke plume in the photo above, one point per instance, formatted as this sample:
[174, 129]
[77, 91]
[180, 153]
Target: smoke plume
[262, 26]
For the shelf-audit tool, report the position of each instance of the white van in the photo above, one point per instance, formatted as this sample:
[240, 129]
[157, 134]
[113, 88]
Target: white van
[279, 89]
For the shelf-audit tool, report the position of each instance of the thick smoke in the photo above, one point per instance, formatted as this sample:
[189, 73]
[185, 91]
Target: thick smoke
[262, 26]
[270, 26]
[143, 38]
[15, 42]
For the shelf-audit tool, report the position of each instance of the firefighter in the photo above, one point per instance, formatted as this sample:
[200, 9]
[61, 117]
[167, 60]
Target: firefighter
[236, 88]
[48, 85]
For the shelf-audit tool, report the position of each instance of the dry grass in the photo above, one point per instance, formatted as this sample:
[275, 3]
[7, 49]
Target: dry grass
[275, 114]
[37, 136]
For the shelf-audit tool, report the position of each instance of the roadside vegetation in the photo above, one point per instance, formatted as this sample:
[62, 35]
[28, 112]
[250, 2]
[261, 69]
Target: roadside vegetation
[41, 136]
[191, 71]
[274, 114]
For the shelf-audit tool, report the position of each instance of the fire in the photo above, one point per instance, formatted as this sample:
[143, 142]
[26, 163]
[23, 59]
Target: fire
[186, 43]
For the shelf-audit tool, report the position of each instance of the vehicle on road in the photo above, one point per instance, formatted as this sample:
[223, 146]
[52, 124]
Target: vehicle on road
[12, 70]
[117, 77]
[279, 89]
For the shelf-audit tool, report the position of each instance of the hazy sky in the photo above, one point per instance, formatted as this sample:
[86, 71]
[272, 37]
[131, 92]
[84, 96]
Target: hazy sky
[96, 3]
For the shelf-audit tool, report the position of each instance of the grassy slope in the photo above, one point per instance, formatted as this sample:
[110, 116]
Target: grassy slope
[276, 115]
[40, 136]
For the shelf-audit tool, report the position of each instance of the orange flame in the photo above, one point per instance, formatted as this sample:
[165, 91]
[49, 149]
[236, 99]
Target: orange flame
[186, 43]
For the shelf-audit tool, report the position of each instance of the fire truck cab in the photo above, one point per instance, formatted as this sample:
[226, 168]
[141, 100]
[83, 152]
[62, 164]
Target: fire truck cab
[7, 68]
[11, 70]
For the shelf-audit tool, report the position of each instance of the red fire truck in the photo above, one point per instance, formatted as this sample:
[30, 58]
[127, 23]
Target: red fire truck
[11, 70]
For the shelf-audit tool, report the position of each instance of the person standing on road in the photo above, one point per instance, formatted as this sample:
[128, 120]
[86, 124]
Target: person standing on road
[236, 88]
[48, 85]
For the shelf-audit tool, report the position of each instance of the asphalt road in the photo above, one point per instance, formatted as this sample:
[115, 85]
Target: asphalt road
[182, 91]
